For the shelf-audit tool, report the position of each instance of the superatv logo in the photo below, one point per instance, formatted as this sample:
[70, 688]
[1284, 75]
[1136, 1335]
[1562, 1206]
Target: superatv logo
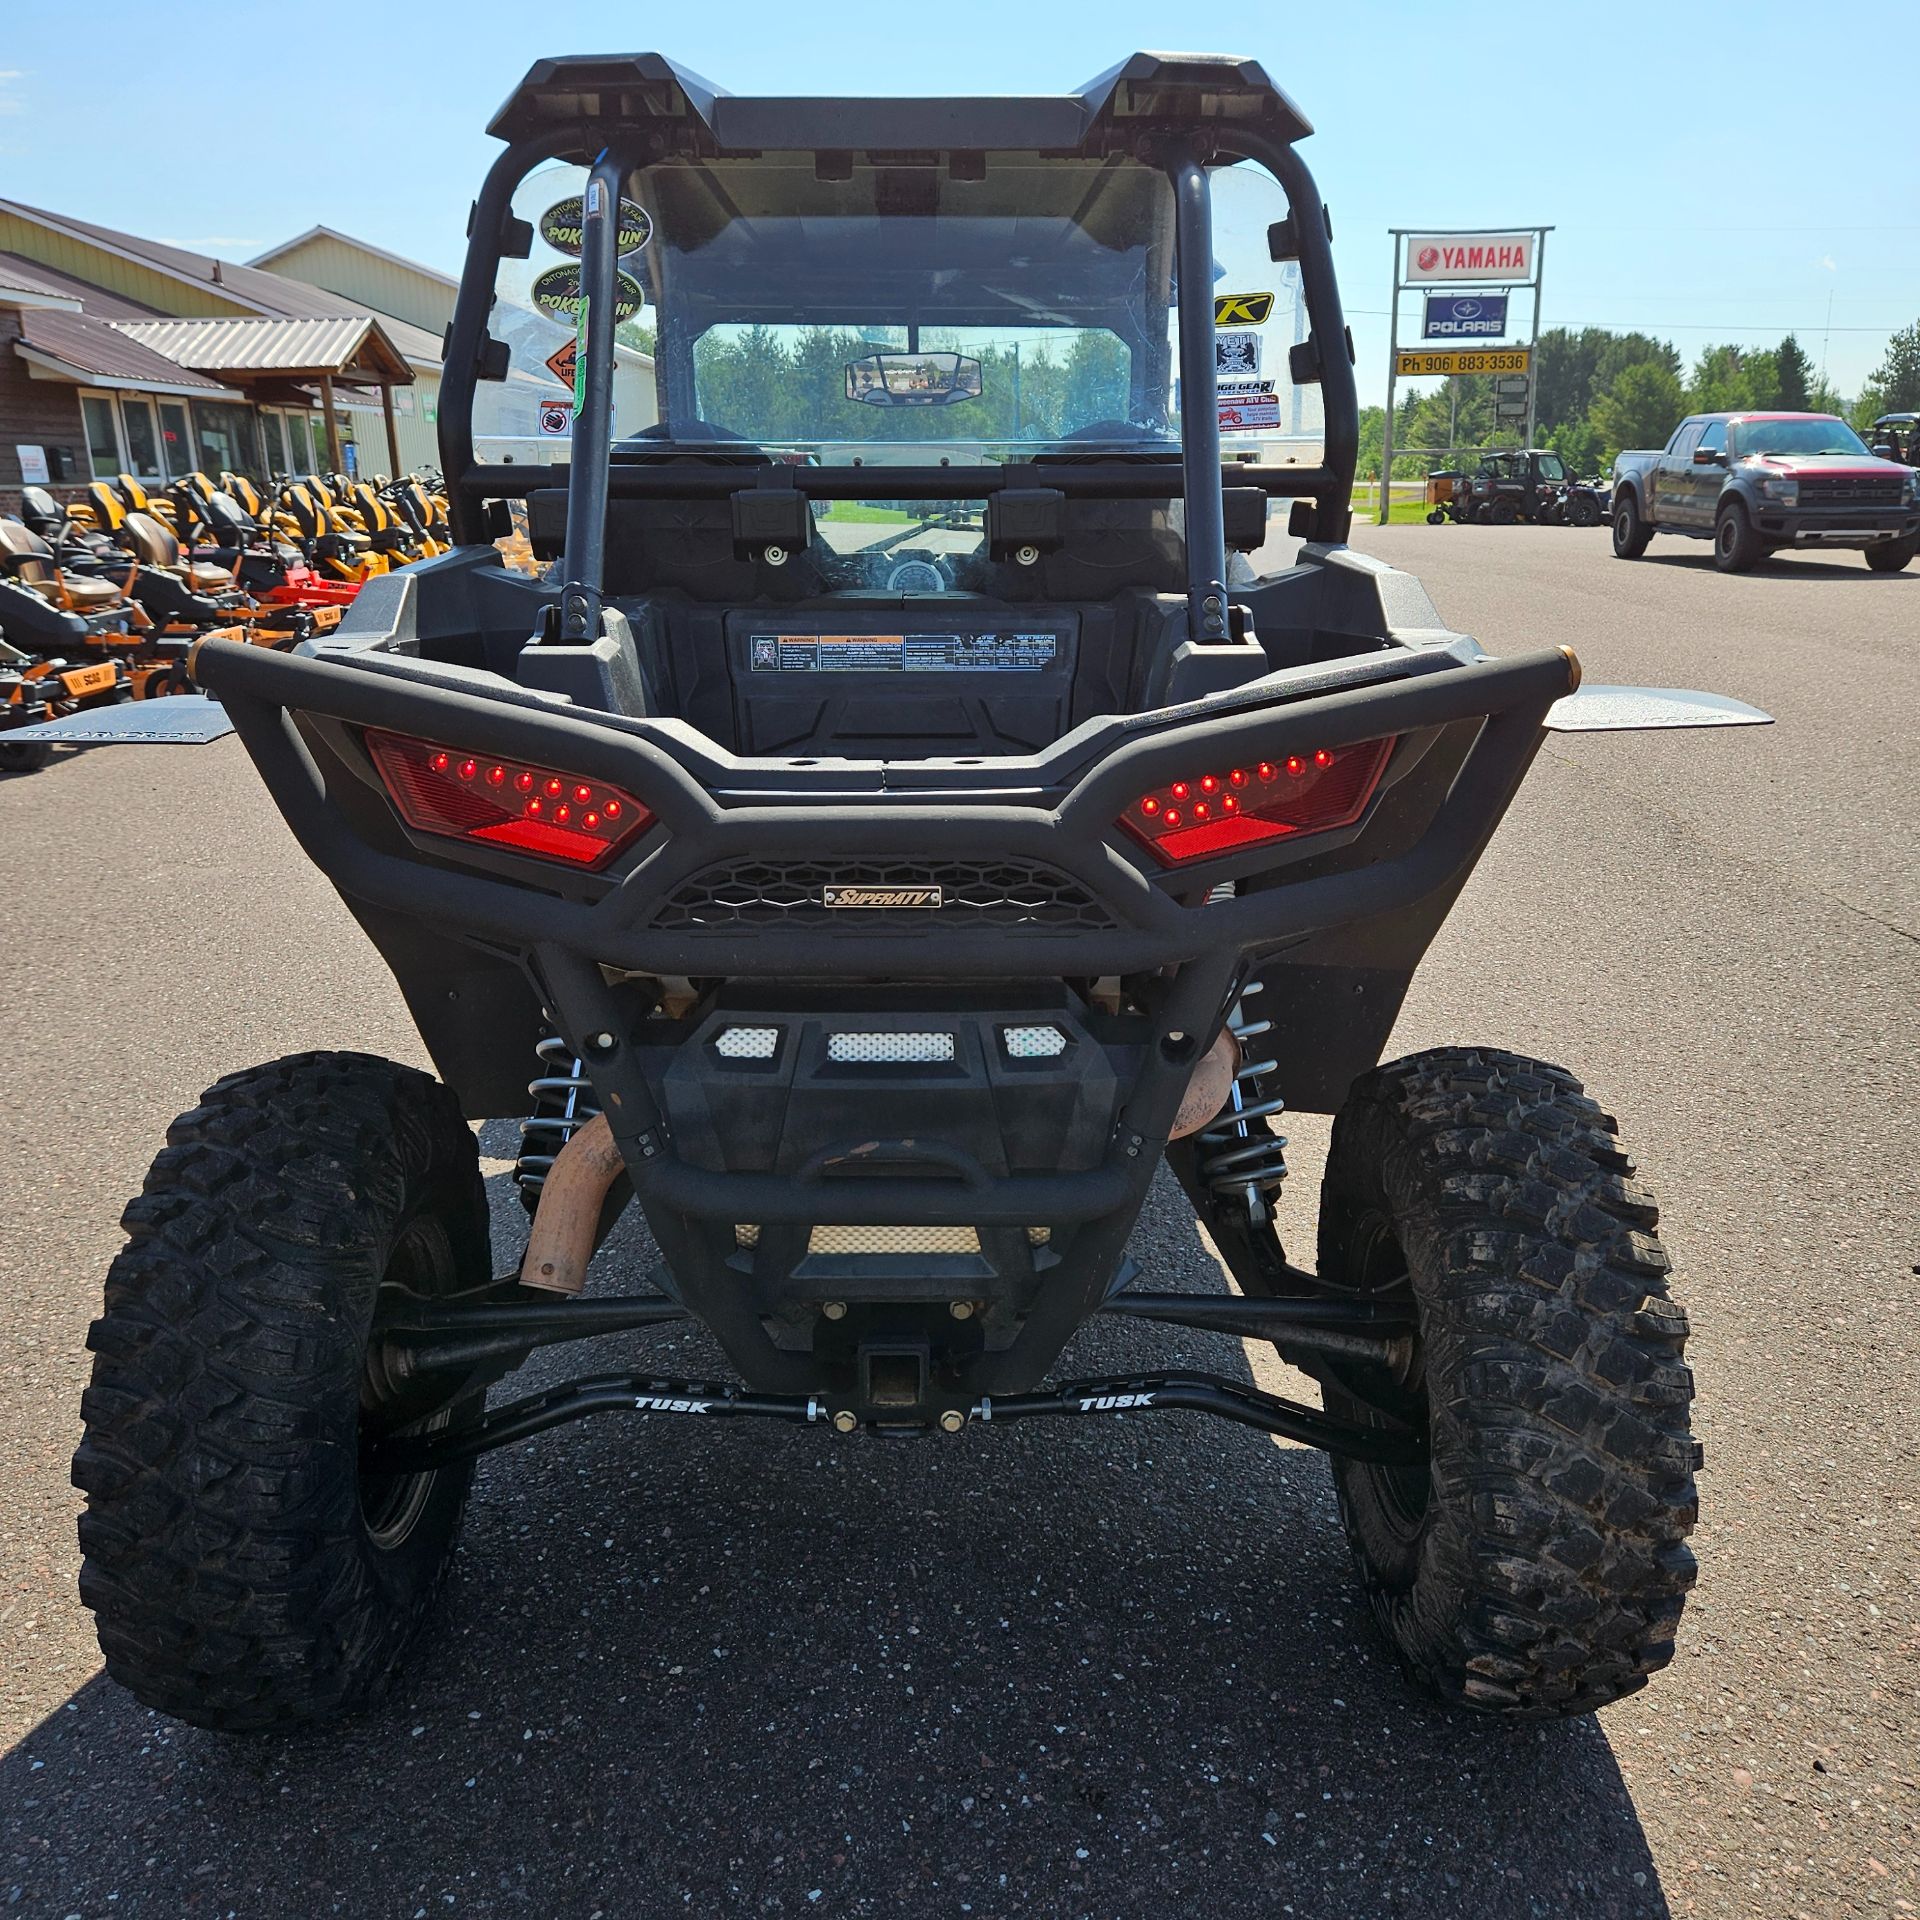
[880, 897]
[653, 1403]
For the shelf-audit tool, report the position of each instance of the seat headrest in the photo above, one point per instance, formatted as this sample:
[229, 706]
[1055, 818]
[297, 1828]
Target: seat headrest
[152, 543]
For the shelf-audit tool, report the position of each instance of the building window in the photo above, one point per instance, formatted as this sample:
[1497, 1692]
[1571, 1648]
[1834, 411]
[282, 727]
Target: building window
[103, 440]
[227, 438]
[143, 443]
[174, 438]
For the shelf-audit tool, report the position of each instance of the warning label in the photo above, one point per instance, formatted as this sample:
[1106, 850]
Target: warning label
[994, 652]
[1246, 405]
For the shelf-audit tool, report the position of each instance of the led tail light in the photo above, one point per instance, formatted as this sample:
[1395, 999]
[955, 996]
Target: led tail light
[1226, 808]
[506, 803]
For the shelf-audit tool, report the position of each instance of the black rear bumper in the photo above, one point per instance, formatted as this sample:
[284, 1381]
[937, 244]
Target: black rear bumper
[737, 1165]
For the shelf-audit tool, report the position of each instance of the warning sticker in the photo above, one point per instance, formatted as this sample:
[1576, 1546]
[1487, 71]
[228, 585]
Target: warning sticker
[560, 362]
[993, 652]
[556, 418]
[1241, 309]
[1246, 405]
[1236, 353]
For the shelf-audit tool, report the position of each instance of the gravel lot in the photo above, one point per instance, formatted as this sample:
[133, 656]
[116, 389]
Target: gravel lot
[1068, 1670]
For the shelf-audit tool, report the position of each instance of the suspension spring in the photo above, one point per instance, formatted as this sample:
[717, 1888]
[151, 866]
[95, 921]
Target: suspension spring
[1242, 1158]
[563, 1103]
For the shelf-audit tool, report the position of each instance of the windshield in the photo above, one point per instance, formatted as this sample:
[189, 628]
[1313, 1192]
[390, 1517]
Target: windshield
[1816, 435]
[822, 309]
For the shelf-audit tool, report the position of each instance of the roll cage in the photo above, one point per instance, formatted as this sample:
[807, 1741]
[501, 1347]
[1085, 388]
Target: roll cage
[1178, 113]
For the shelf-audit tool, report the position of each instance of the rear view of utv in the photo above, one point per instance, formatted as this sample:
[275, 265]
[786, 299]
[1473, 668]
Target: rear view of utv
[911, 806]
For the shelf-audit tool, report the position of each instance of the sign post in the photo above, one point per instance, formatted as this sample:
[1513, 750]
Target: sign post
[1475, 272]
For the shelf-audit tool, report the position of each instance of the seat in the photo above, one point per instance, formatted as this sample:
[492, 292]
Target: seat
[26, 558]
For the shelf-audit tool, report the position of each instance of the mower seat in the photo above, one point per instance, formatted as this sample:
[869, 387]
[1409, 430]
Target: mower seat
[27, 559]
[155, 546]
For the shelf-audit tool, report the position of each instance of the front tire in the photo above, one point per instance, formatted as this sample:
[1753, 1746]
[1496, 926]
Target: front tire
[1736, 547]
[243, 1571]
[1890, 556]
[1630, 533]
[1537, 1563]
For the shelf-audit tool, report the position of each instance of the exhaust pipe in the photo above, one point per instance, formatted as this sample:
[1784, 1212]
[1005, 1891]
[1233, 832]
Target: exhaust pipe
[568, 1216]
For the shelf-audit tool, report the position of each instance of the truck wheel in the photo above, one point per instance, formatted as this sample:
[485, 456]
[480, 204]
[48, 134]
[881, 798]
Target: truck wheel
[243, 1572]
[1537, 1563]
[1582, 510]
[1630, 532]
[1890, 556]
[1505, 513]
[1736, 547]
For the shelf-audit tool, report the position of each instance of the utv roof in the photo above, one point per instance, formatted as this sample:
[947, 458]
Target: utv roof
[647, 90]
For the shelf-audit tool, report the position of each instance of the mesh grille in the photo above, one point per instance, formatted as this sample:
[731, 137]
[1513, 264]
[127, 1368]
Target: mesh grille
[859, 1049]
[1034, 1043]
[893, 1240]
[1014, 895]
[748, 1043]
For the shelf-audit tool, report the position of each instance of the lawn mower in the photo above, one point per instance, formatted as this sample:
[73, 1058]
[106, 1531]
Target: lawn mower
[879, 922]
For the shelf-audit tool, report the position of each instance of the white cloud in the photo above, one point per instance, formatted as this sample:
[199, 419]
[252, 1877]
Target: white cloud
[1826, 260]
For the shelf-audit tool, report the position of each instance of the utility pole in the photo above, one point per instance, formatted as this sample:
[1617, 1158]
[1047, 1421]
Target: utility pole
[1393, 365]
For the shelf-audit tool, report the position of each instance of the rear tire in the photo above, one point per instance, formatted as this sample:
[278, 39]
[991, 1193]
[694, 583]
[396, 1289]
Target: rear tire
[1736, 547]
[243, 1572]
[1504, 513]
[1582, 510]
[24, 756]
[1537, 1564]
[1630, 532]
[1890, 556]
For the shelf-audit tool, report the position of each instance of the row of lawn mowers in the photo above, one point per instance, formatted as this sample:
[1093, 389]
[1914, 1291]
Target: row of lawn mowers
[1526, 483]
[102, 597]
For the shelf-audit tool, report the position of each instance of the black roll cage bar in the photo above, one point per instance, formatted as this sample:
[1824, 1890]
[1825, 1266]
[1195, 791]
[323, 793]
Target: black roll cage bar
[1184, 154]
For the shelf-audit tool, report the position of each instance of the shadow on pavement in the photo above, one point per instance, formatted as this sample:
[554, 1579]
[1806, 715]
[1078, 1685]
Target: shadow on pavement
[1061, 1669]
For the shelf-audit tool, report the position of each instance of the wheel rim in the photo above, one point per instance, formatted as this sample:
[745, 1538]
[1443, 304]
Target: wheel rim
[392, 1504]
[1623, 525]
[1726, 535]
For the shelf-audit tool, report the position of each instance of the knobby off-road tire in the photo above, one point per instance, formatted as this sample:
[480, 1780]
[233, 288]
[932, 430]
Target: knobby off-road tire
[1538, 1563]
[243, 1572]
[1630, 532]
[1890, 556]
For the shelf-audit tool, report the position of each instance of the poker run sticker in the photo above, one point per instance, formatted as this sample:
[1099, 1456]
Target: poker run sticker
[1236, 353]
[1247, 405]
[563, 227]
[557, 294]
[1241, 309]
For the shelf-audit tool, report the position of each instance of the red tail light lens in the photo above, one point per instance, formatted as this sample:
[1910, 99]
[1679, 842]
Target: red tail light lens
[506, 803]
[1220, 809]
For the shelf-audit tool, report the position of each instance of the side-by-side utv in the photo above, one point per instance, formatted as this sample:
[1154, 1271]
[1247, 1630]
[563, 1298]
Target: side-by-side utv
[927, 787]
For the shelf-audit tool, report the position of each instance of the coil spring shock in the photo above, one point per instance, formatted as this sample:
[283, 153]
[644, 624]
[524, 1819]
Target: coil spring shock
[1241, 1157]
[563, 1103]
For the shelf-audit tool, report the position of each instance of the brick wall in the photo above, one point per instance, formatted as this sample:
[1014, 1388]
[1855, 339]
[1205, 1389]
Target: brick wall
[34, 413]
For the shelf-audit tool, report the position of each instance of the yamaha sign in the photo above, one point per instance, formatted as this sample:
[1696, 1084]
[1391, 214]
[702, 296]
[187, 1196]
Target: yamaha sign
[1465, 316]
[1486, 257]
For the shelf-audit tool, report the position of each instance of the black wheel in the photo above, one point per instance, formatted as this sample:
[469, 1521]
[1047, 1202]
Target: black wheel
[24, 756]
[1435, 518]
[166, 680]
[243, 1571]
[1736, 547]
[1630, 532]
[1583, 510]
[1890, 556]
[1483, 516]
[1537, 1562]
[1504, 513]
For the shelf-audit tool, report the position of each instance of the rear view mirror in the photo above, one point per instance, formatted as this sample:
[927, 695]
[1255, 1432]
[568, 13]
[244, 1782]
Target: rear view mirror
[914, 379]
[1709, 457]
[1881, 451]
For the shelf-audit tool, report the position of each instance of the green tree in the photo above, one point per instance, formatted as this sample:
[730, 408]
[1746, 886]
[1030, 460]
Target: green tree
[1896, 381]
[1721, 381]
[1795, 371]
[1640, 409]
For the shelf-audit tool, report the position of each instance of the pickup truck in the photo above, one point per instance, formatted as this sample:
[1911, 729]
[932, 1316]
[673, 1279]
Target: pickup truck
[1753, 483]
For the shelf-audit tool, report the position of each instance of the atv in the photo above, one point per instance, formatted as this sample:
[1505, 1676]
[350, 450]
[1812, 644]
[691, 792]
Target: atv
[877, 914]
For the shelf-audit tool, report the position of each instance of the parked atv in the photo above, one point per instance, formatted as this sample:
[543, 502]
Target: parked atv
[879, 921]
[1531, 484]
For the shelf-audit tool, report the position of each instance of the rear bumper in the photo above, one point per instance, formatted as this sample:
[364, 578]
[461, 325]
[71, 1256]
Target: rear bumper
[1046, 1164]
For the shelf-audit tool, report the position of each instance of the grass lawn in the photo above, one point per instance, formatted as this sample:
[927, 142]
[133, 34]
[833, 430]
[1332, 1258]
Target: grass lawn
[858, 510]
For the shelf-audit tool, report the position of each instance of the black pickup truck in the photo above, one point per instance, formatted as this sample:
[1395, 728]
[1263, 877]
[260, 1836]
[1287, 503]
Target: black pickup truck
[1756, 482]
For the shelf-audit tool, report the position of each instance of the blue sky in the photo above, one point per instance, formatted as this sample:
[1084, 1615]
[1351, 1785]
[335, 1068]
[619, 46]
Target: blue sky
[1712, 171]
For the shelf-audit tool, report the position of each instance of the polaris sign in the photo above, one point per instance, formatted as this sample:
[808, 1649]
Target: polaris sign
[1465, 316]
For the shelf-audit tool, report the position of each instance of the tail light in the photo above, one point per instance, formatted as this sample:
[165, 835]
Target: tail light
[1227, 808]
[506, 803]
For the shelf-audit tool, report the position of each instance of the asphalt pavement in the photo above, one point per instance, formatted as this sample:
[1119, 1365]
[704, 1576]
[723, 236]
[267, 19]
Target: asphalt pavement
[1066, 1669]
